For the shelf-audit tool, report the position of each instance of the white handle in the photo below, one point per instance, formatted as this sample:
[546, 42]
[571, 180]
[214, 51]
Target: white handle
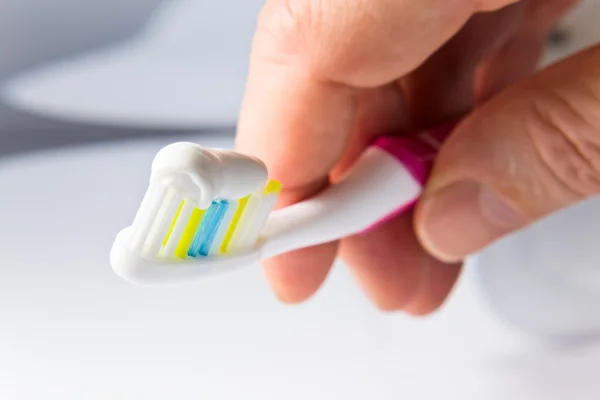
[376, 187]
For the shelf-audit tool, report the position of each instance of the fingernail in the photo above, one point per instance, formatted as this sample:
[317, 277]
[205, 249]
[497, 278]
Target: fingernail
[463, 218]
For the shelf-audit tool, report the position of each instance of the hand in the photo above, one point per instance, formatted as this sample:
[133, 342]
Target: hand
[327, 76]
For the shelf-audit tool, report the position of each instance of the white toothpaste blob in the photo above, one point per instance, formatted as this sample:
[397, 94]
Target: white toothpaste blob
[185, 180]
[204, 175]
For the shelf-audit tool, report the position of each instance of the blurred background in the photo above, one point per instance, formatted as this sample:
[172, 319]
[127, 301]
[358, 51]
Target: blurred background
[87, 71]
[96, 88]
[33, 33]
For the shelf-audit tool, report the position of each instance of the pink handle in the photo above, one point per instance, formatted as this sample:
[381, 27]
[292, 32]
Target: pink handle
[416, 153]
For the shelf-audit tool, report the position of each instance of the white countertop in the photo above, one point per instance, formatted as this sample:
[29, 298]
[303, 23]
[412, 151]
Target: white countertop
[71, 329]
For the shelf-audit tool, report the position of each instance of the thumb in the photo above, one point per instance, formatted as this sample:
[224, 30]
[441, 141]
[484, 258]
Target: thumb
[532, 150]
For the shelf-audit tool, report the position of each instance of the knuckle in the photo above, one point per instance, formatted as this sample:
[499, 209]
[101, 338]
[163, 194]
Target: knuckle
[565, 132]
[332, 40]
[361, 43]
[287, 28]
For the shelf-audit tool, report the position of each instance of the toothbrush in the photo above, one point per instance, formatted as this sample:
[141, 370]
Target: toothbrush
[207, 211]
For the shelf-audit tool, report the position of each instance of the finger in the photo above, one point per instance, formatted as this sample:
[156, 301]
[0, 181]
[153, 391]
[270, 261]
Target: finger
[380, 111]
[301, 100]
[443, 87]
[386, 268]
[520, 56]
[528, 152]
[434, 288]
[300, 138]
[388, 262]
[394, 272]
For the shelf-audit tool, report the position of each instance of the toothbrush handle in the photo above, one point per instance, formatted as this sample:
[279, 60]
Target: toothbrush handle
[385, 181]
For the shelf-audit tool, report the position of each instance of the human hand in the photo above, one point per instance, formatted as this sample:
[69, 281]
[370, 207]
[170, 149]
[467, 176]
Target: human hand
[327, 76]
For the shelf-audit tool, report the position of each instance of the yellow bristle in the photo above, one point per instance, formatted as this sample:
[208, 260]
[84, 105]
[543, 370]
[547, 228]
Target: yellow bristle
[234, 223]
[189, 233]
[273, 187]
[173, 224]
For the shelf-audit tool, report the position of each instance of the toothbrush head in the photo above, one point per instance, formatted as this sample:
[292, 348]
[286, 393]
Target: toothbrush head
[202, 206]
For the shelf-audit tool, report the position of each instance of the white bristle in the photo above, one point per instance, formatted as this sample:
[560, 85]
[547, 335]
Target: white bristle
[168, 250]
[258, 221]
[238, 241]
[146, 215]
[162, 222]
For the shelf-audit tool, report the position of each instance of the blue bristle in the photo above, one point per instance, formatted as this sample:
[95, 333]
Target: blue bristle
[207, 231]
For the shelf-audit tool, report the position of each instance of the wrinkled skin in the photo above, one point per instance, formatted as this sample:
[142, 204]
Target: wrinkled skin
[329, 75]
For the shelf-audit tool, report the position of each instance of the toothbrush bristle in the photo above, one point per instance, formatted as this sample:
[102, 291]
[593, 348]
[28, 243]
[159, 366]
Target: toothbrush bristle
[259, 218]
[208, 228]
[253, 218]
[162, 221]
[170, 227]
[239, 212]
[217, 244]
[146, 215]
[188, 234]
[240, 237]
[178, 227]
[170, 231]
[273, 187]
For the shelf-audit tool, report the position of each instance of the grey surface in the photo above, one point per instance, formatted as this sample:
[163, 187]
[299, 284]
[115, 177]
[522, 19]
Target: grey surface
[33, 32]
